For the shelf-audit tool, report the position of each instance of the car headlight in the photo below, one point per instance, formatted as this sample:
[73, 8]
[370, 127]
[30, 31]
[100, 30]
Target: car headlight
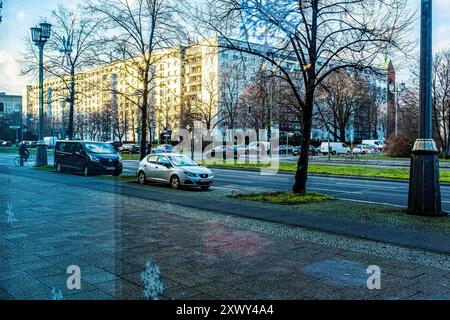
[190, 174]
[94, 159]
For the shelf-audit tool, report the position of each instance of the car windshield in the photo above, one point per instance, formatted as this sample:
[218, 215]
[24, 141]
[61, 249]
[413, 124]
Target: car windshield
[183, 161]
[93, 147]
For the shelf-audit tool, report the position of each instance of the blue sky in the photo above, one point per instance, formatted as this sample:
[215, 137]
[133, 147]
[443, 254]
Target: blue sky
[20, 15]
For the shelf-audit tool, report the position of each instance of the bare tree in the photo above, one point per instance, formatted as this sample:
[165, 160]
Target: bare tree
[254, 105]
[264, 93]
[338, 102]
[231, 85]
[441, 101]
[205, 109]
[72, 47]
[306, 41]
[134, 31]
[121, 123]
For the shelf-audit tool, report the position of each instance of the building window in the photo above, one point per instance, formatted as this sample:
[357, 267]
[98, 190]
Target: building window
[2, 107]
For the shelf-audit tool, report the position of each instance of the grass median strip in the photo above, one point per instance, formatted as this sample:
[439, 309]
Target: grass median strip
[127, 156]
[324, 169]
[347, 210]
[285, 198]
[45, 168]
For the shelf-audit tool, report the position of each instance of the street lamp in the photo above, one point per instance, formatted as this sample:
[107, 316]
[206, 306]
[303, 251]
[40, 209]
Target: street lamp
[191, 131]
[40, 36]
[424, 189]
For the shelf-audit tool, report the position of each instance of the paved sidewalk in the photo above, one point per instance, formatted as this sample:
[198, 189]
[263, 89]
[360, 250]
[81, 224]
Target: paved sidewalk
[201, 254]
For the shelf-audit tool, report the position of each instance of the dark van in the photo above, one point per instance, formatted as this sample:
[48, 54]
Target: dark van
[87, 157]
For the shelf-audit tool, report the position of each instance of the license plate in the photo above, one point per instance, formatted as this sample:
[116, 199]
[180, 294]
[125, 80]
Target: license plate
[110, 168]
[204, 180]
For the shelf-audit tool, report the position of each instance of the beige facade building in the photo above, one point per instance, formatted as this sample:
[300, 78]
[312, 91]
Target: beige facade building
[181, 77]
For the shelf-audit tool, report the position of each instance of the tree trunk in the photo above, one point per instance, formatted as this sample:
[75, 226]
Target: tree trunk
[144, 116]
[342, 134]
[71, 103]
[301, 175]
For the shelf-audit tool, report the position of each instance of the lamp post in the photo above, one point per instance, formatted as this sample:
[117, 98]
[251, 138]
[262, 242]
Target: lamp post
[191, 131]
[40, 36]
[424, 189]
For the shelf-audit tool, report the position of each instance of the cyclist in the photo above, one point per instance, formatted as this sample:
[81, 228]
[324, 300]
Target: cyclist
[23, 153]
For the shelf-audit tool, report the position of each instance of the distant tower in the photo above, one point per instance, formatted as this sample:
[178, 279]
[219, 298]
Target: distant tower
[387, 116]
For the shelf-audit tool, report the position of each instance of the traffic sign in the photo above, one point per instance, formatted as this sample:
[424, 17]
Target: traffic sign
[14, 127]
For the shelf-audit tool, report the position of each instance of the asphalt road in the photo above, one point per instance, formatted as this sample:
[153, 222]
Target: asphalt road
[381, 192]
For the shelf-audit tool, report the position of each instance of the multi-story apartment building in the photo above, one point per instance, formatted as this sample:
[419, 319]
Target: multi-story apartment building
[10, 115]
[10, 104]
[198, 84]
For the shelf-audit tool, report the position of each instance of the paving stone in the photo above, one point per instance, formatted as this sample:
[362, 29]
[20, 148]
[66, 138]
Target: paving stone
[201, 255]
[99, 277]
[90, 295]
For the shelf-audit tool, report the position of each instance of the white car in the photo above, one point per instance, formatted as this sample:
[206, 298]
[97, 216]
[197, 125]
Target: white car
[378, 144]
[364, 149]
[175, 169]
[334, 148]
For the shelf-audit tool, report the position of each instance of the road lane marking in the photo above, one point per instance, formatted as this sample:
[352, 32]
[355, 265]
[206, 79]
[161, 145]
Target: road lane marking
[367, 186]
[337, 191]
[373, 202]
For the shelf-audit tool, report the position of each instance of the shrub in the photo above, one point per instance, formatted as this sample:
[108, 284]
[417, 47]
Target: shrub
[399, 145]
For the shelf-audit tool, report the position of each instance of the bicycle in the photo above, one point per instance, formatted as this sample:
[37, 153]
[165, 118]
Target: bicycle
[27, 162]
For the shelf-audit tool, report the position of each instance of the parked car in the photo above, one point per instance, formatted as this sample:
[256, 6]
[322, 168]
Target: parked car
[130, 149]
[312, 151]
[116, 145]
[283, 149]
[163, 148]
[226, 152]
[87, 157]
[6, 144]
[334, 148]
[263, 147]
[175, 169]
[364, 149]
[376, 143]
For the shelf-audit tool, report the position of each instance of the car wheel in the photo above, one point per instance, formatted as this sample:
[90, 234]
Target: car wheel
[175, 182]
[116, 173]
[333, 153]
[86, 171]
[59, 168]
[205, 188]
[142, 178]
